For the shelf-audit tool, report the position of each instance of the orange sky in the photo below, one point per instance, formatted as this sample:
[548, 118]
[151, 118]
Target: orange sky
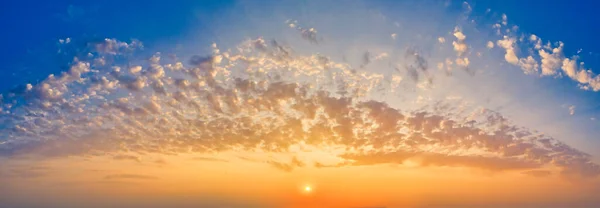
[196, 180]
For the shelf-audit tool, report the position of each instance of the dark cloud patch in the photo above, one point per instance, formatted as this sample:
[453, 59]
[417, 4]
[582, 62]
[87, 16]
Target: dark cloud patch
[287, 167]
[127, 157]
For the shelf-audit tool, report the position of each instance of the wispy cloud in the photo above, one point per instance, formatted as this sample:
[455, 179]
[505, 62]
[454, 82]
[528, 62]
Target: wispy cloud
[209, 159]
[130, 176]
[288, 167]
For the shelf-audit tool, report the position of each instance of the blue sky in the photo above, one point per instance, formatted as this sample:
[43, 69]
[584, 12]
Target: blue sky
[31, 34]
[35, 30]
[29, 52]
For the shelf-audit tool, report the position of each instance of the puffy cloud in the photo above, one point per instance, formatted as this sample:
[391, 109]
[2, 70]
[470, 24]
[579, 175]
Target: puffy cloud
[135, 69]
[262, 97]
[459, 45]
[459, 35]
[441, 39]
[529, 65]
[551, 61]
[464, 62]
[536, 40]
[509, 45]
[115, 47]
[461, 48]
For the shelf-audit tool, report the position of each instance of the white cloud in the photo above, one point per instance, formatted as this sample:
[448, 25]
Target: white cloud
[572, 110]
[441, 39]
[551, 62]
[459, 45]
[535, 39]
[464, 62]
[529, 65]
[459, 35]
[509, 45]
[490, 44]
[569, 66]
[135, 69]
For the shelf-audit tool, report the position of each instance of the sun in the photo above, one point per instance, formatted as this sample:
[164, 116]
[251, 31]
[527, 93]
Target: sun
[307, 189]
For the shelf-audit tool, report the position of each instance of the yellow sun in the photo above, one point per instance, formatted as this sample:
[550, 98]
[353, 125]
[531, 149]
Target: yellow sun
[307, 188]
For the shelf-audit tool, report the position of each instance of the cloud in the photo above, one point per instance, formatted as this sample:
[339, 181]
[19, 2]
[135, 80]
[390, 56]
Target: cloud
[459, 45]
[572, 110]
[529, 65]
[508, 44]
[538, 173]
[127, 157]
[343, 121]
[26, 171]
[309, 34]
[209, 159]
[432, 159]
[551, 61]
[130, 176]
[287, 167]
[441, 39]
[160, 161]
[262, 96]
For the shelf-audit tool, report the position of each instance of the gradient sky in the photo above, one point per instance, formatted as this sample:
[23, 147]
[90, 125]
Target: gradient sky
[299, 104]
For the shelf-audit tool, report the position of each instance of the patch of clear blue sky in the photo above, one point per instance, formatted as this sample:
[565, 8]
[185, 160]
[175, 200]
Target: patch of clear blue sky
[31, 28]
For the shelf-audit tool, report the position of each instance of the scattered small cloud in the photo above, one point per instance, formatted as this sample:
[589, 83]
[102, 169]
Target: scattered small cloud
[572, 110]
[441, 39]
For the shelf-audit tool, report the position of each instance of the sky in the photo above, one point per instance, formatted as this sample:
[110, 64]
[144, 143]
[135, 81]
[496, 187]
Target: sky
[299, 104]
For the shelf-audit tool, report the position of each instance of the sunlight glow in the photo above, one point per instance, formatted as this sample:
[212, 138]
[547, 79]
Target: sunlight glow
[307, 189]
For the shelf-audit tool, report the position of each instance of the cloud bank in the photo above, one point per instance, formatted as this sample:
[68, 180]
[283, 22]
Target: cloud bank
[267, 95]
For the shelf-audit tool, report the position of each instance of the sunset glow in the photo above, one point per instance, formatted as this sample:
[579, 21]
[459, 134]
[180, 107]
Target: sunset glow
[307, 189]
[235, 104]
